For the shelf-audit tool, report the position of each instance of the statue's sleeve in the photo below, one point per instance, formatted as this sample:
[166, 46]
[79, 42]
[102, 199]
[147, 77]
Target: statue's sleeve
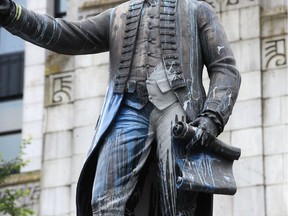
[59, 35]
[221, 66]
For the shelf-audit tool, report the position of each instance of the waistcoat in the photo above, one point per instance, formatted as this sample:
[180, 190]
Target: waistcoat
[147, 64]
[166, 35]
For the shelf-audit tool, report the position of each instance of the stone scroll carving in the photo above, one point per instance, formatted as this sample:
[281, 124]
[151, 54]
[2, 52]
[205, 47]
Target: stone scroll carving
[274, 52]
[223, 5]
[60, 87]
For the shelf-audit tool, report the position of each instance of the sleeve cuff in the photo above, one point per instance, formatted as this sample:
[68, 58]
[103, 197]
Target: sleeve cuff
[214, 117]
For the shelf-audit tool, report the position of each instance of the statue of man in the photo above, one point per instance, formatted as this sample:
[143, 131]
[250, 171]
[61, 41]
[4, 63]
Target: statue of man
[157, 52]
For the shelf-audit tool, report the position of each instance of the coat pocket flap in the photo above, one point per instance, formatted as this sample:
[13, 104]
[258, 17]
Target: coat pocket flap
[163, 85]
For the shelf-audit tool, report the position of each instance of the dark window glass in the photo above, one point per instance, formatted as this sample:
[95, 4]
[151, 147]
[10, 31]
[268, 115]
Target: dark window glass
[11, 75]
[11, 91]
[10, 145]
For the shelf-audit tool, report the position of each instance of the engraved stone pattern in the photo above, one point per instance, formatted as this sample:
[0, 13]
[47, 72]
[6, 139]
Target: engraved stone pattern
[60, 88]
[274, 52]
[236, 4]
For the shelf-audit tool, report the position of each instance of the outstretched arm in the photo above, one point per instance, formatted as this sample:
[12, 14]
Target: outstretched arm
[61, 36]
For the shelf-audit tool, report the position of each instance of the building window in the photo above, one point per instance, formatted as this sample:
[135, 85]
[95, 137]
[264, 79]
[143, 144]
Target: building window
[60, 8]
[11, 91]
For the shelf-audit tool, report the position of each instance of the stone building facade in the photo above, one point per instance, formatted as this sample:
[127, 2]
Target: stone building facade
[63, 96]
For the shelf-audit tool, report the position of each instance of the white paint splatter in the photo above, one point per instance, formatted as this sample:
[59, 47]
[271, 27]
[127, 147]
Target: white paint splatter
[219, 49]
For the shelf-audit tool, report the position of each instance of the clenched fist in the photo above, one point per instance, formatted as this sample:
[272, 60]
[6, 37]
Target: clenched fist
[5, 9]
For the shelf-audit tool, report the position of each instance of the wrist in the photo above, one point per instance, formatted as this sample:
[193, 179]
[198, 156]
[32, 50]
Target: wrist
[215, 119]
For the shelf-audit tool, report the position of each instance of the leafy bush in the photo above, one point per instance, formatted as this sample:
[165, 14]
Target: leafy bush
[9, 198]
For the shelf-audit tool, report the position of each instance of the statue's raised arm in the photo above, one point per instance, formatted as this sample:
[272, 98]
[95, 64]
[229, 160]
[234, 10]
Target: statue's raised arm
[61, 36]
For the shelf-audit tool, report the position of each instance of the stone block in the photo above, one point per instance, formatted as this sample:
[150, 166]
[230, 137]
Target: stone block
[225, 137]
[275, 140]
[231, 22]
[31, 51]
[33, 5]
[35, 163]
[87, 111]
[77, 164]
[100, 59]
[205, 73]
[84, 61]
[91, 82]
[58, 145]
[250, 22]
[249, 140]
[56, 63]
[33, 112]
[34, 94]
[55, 201]
[276, 171]
[72, 199]
[275, 111]
[82, 139]
[247, 54]
[275, 83]
[268, 4]
[276, 200]
[222, 205]
[32, 129]
[33, 148]
[34, 76]
[246, 114]
[249, 171]
[56, 173]
[284, 109]
[249, 201]
[59, 118]
[250, 86]
[206, 83]
[274, 24]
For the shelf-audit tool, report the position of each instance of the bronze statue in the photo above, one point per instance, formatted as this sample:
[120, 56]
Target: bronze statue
[157, 52]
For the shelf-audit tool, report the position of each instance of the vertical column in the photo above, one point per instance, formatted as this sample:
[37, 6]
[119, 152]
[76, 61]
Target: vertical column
[275, 104]
[57, 158]
[241, 20]
[33, 109]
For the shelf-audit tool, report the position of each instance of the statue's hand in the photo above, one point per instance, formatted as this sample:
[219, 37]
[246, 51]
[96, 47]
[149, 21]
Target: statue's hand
[204, 124]
[5, 7]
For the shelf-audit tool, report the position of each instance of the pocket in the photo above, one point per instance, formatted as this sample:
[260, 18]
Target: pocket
[163, 85]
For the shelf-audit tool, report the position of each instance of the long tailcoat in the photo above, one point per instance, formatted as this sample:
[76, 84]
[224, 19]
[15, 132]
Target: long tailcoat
[191, 36]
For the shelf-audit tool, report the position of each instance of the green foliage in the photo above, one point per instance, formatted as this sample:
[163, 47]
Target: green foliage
[9, 198]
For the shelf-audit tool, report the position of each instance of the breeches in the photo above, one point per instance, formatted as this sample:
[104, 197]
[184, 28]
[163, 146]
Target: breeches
[124, 152]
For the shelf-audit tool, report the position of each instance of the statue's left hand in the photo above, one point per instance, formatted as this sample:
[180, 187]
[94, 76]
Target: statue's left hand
[206, 124]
